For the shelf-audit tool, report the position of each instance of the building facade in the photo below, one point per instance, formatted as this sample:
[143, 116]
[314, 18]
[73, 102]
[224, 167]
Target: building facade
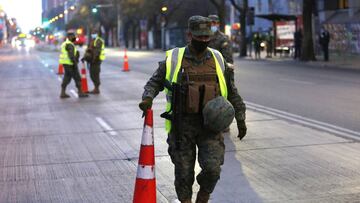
[342, 19]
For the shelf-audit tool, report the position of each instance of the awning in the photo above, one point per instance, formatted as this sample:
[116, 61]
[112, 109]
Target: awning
[277, 17]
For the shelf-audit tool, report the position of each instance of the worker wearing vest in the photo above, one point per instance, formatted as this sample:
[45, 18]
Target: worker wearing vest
[69, 58]
[203, 71]
[94, 55]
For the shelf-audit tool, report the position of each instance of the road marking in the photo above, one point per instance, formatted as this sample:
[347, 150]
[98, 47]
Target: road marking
[297, 81]
[342, 132]
[74, 93]
[106, 126]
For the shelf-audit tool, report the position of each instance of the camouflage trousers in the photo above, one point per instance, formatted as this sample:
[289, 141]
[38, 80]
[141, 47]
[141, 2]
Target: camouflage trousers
[71, 72]
[211, 150]
[95, 73]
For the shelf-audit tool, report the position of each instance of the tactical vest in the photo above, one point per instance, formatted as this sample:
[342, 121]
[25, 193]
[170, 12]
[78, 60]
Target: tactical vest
[174, 62]
[102, 53]
[64, 55]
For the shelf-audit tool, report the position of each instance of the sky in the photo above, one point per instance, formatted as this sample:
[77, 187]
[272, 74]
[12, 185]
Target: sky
[26, 12]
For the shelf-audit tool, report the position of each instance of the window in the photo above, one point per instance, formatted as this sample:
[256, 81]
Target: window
[343, 4]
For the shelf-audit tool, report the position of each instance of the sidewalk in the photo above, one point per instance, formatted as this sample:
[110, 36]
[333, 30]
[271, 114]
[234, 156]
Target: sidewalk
[348, 61]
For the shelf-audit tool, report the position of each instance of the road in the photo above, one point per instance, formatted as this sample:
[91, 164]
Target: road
[86, 149]
[326, 95]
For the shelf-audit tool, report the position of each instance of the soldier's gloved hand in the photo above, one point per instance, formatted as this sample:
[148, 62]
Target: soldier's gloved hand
[83, 60]
[242, 130]
[146, 104]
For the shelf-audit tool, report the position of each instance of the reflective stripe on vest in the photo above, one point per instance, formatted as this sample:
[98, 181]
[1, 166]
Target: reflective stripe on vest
[173, 65]
[102, 53]
[64, 55]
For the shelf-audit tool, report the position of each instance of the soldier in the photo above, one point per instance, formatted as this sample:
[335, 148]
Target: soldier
[94, 55]
[220, 41]
[69, 58]
[324, 40]
[197, 74]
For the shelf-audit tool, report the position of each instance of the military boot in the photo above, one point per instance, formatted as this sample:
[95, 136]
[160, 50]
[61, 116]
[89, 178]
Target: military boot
[95, 90]
[202, 197]
[63, 95]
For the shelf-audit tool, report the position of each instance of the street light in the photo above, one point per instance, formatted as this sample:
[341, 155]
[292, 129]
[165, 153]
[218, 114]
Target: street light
[61, 15]
[164, 9]
[94, 10]
[72, 8]
[66, 12]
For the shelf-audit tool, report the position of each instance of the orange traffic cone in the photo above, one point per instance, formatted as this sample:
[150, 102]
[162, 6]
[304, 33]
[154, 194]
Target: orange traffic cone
[60, 69]
[145, 185]
[126, 61]
[84, 86]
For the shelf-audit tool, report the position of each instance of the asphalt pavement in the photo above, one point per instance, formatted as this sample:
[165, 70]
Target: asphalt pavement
[86, 149]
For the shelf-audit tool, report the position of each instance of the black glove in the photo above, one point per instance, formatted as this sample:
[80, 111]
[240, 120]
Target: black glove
[146, 104]
[83, 60]
[242, 130]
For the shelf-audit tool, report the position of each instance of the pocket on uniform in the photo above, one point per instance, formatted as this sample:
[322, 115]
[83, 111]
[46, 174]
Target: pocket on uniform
[193, 99]
[209, 94]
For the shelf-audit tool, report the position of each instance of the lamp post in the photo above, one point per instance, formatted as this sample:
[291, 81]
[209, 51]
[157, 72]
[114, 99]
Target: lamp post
[163, 24]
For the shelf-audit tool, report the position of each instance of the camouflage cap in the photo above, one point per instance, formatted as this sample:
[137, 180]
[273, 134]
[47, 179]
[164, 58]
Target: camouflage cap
[214, 18]
[200, 26]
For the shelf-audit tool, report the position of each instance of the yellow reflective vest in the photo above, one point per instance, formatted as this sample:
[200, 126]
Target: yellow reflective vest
[102, 53]
[173, 65]
[64, 55]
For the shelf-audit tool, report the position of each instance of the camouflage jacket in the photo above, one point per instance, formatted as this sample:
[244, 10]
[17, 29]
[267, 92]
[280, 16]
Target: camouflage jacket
[222, 43]
[157, 81]
[92, 53]
[74, 57]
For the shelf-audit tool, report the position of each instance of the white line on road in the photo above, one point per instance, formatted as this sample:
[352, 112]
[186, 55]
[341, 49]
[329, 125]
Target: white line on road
[297, 81]
[105, 126]
[307, 121]
[74, 93]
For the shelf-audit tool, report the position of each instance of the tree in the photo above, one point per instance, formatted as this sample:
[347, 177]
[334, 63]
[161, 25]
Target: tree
[243, 10]
[308, 53]
[221, 9]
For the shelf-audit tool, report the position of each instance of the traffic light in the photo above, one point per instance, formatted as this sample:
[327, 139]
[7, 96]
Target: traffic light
[250, 16]
[94, 10]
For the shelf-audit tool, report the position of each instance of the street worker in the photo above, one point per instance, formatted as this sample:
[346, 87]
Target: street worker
[69, 58]
[94, 55]
[202, 101]
[220, 41]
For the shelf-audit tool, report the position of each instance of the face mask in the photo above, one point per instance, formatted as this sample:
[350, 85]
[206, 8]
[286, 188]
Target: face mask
[199, 46]
[93, 36]
[214, 28]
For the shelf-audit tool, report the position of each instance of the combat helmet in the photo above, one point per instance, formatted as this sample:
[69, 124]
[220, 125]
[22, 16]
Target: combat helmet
[218, 114]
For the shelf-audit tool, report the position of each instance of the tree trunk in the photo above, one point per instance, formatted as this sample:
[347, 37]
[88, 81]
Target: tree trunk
[308, 43]
[222, 15]
[243, 45]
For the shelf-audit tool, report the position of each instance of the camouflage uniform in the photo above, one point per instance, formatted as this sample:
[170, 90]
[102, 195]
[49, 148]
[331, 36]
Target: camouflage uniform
[92, 56]
[211, 146]
[71, 71]
[222, 43]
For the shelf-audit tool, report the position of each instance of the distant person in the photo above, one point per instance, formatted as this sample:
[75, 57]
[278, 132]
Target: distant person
[219, 40]
[298, 37]
[324, 40]
[269, 45]
[94, 55]
[257, 45]
[69, 58]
